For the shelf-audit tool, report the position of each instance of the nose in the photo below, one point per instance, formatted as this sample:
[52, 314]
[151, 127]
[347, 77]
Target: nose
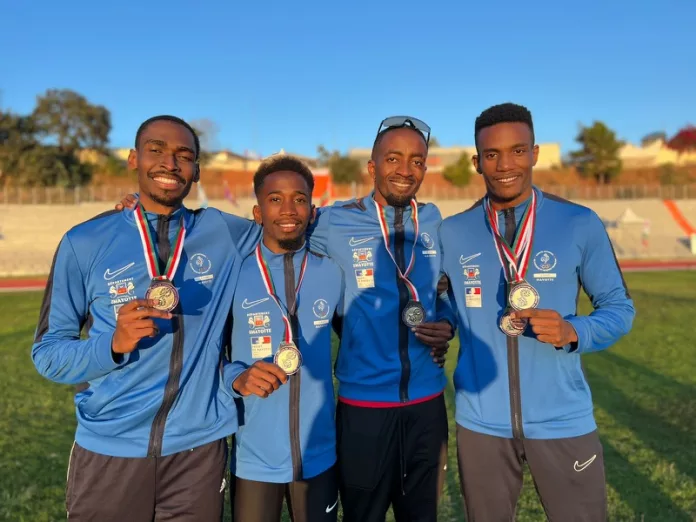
[505, 162]
[168, 161]
[288, 207]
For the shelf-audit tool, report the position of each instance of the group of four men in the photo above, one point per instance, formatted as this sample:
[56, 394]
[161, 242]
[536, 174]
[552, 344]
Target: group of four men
[211, 325]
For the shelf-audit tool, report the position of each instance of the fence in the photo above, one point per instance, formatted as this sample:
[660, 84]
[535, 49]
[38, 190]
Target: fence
[112, 194]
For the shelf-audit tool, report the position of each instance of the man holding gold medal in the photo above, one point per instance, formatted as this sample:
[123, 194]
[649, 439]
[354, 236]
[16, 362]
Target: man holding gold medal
[516, 261]
[148, 285]
[282, 315]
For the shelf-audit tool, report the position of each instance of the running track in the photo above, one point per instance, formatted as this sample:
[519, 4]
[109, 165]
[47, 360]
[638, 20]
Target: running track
[632, 265]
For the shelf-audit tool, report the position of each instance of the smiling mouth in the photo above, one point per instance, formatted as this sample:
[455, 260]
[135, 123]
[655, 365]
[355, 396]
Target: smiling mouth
[167, 181]
[508, 180]
[288, 227]
[401, 185]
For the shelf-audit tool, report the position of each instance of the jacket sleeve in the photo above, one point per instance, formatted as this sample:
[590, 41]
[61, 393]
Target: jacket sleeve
[318, 232]
[444, 311]
[245, 233]
[602, 280]
[58, 352]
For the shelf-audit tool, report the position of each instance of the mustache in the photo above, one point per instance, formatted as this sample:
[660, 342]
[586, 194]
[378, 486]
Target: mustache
[166, 174]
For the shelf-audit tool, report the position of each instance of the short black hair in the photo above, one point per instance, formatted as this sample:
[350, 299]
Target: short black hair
[281, 162]
[503, 113]
[381, 134]
[173, 119]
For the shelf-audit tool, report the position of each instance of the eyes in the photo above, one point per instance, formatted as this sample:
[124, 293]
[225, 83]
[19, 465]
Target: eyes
[519, 151]
[300, 200]
[419, 163]
[183, 156]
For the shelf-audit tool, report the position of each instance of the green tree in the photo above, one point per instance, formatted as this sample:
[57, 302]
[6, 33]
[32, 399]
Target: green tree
[344, 169]
[434, 142]
[207, 131]
[599, 156]
[17, 136]
[50, 166]
[459, 172]
[67, 119]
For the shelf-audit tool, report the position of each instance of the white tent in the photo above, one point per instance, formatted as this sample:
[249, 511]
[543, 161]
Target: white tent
[629, 217]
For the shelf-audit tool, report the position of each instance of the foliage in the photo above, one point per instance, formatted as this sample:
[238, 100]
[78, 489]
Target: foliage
[684, 140]
[344, 169]
[459, 172]
[66, 118]
[434, 142]
[207, 131]
[670, 174]
[599, 156]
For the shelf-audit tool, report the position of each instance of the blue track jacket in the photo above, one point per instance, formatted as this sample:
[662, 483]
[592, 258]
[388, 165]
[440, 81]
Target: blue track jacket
[380, 360]
[519, 387]
[166, 396]
[291, 434]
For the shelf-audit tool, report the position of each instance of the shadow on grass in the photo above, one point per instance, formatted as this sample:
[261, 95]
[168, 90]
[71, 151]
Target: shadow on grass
[637, 490]
[672, 439]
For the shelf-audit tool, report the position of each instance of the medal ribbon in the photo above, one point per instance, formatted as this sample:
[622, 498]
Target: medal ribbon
[270, 288]
[385, 235]
[516, 256]
[149, 247]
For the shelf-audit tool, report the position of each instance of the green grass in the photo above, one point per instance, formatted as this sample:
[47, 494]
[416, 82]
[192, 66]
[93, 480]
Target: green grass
[644, 391]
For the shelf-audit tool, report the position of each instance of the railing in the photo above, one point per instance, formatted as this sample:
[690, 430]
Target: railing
[112, 194]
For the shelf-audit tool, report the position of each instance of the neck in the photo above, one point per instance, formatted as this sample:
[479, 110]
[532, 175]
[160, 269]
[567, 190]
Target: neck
[274, 245]
[150, 205]
[379, 198]
[502, 205]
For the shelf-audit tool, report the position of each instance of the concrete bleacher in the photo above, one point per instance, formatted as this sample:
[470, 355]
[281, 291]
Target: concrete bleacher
[29, 234]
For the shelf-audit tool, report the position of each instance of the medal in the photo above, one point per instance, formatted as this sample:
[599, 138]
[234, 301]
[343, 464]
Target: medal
[288, 356]
[515, 260]
[161, 289]
[512, 327]
[413, 313]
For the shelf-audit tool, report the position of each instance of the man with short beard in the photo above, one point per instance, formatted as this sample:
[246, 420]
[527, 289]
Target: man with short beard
[148, 285]
[391, 416]
[282, 312]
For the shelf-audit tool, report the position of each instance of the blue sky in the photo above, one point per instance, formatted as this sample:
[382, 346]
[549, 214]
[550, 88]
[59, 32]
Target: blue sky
[295, 74]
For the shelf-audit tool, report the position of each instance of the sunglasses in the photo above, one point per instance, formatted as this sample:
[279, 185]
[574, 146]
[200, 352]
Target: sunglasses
[405, 121]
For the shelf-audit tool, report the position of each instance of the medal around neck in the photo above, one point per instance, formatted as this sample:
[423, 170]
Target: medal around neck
[413, 314]
[288, 358]
[161, 290]
[523, 296]
[512, 327]
[164, 294]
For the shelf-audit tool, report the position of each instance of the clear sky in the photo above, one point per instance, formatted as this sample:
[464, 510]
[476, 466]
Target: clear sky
[296, 73]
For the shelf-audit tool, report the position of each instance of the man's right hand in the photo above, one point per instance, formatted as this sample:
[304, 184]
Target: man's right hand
[128, 201]
[135, 321]
[261, 378]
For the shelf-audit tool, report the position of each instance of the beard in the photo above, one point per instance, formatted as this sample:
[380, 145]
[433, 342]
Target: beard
[398, 201]
[170, 198]
[292, 244]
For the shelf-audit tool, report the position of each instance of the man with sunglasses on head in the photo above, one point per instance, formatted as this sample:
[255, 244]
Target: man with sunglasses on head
[391, 417]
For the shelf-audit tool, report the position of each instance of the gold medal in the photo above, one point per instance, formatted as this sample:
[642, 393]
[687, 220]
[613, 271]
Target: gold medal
[288, 357]
[164, 294]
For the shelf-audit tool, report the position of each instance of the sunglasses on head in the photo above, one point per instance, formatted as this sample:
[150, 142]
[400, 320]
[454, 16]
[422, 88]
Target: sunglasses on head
[405, 121]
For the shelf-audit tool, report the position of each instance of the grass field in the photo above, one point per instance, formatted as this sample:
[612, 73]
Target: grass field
[644, 391]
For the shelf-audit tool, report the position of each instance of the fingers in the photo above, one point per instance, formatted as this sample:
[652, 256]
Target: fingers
[130, 200]
[433, 340]
[551, 339]
[530, 313]
[429, 328]
[273, 369]
[140, 308]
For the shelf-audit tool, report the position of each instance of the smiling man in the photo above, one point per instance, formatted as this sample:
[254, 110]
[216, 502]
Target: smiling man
[281, 358]
[517, 261]
[147, 285]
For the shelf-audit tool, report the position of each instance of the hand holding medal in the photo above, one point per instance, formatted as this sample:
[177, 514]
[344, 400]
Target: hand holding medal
[288, 356]
[548, 325]
[162, 291]
[413, 313]
[261, 378]
[515, 261]
[134, 321]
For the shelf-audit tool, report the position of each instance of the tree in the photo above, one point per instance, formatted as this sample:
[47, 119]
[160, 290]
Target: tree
[17, 136]
[653, 137]
[67, 119]
[599, 156]
[459, 172]
[207, 131]
[434, 142]
[50, 166]
[684, 140]
[344, 169]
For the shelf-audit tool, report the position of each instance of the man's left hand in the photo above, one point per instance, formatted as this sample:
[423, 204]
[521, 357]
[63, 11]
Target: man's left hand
[549, 326]
[437, 336]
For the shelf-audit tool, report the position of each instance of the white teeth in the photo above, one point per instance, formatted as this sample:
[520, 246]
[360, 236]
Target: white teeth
[507, 180]
[167, 181]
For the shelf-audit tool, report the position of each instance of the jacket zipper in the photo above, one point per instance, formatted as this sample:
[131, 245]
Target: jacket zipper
[399, 239]
[513, 348]
[296, 452]
[171, 389]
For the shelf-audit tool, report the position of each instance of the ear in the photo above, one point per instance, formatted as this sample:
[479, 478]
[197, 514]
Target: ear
[371, 169]
[257, 215]
[313, 214]
[475, 161]
[535, 152]
[197, 173]
[133, 160]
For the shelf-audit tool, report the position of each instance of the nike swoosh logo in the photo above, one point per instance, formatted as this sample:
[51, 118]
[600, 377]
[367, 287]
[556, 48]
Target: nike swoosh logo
[330, 509]
[356, 242]
[249, 304]
[579, 467]
[464, 260]
[108, 275]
